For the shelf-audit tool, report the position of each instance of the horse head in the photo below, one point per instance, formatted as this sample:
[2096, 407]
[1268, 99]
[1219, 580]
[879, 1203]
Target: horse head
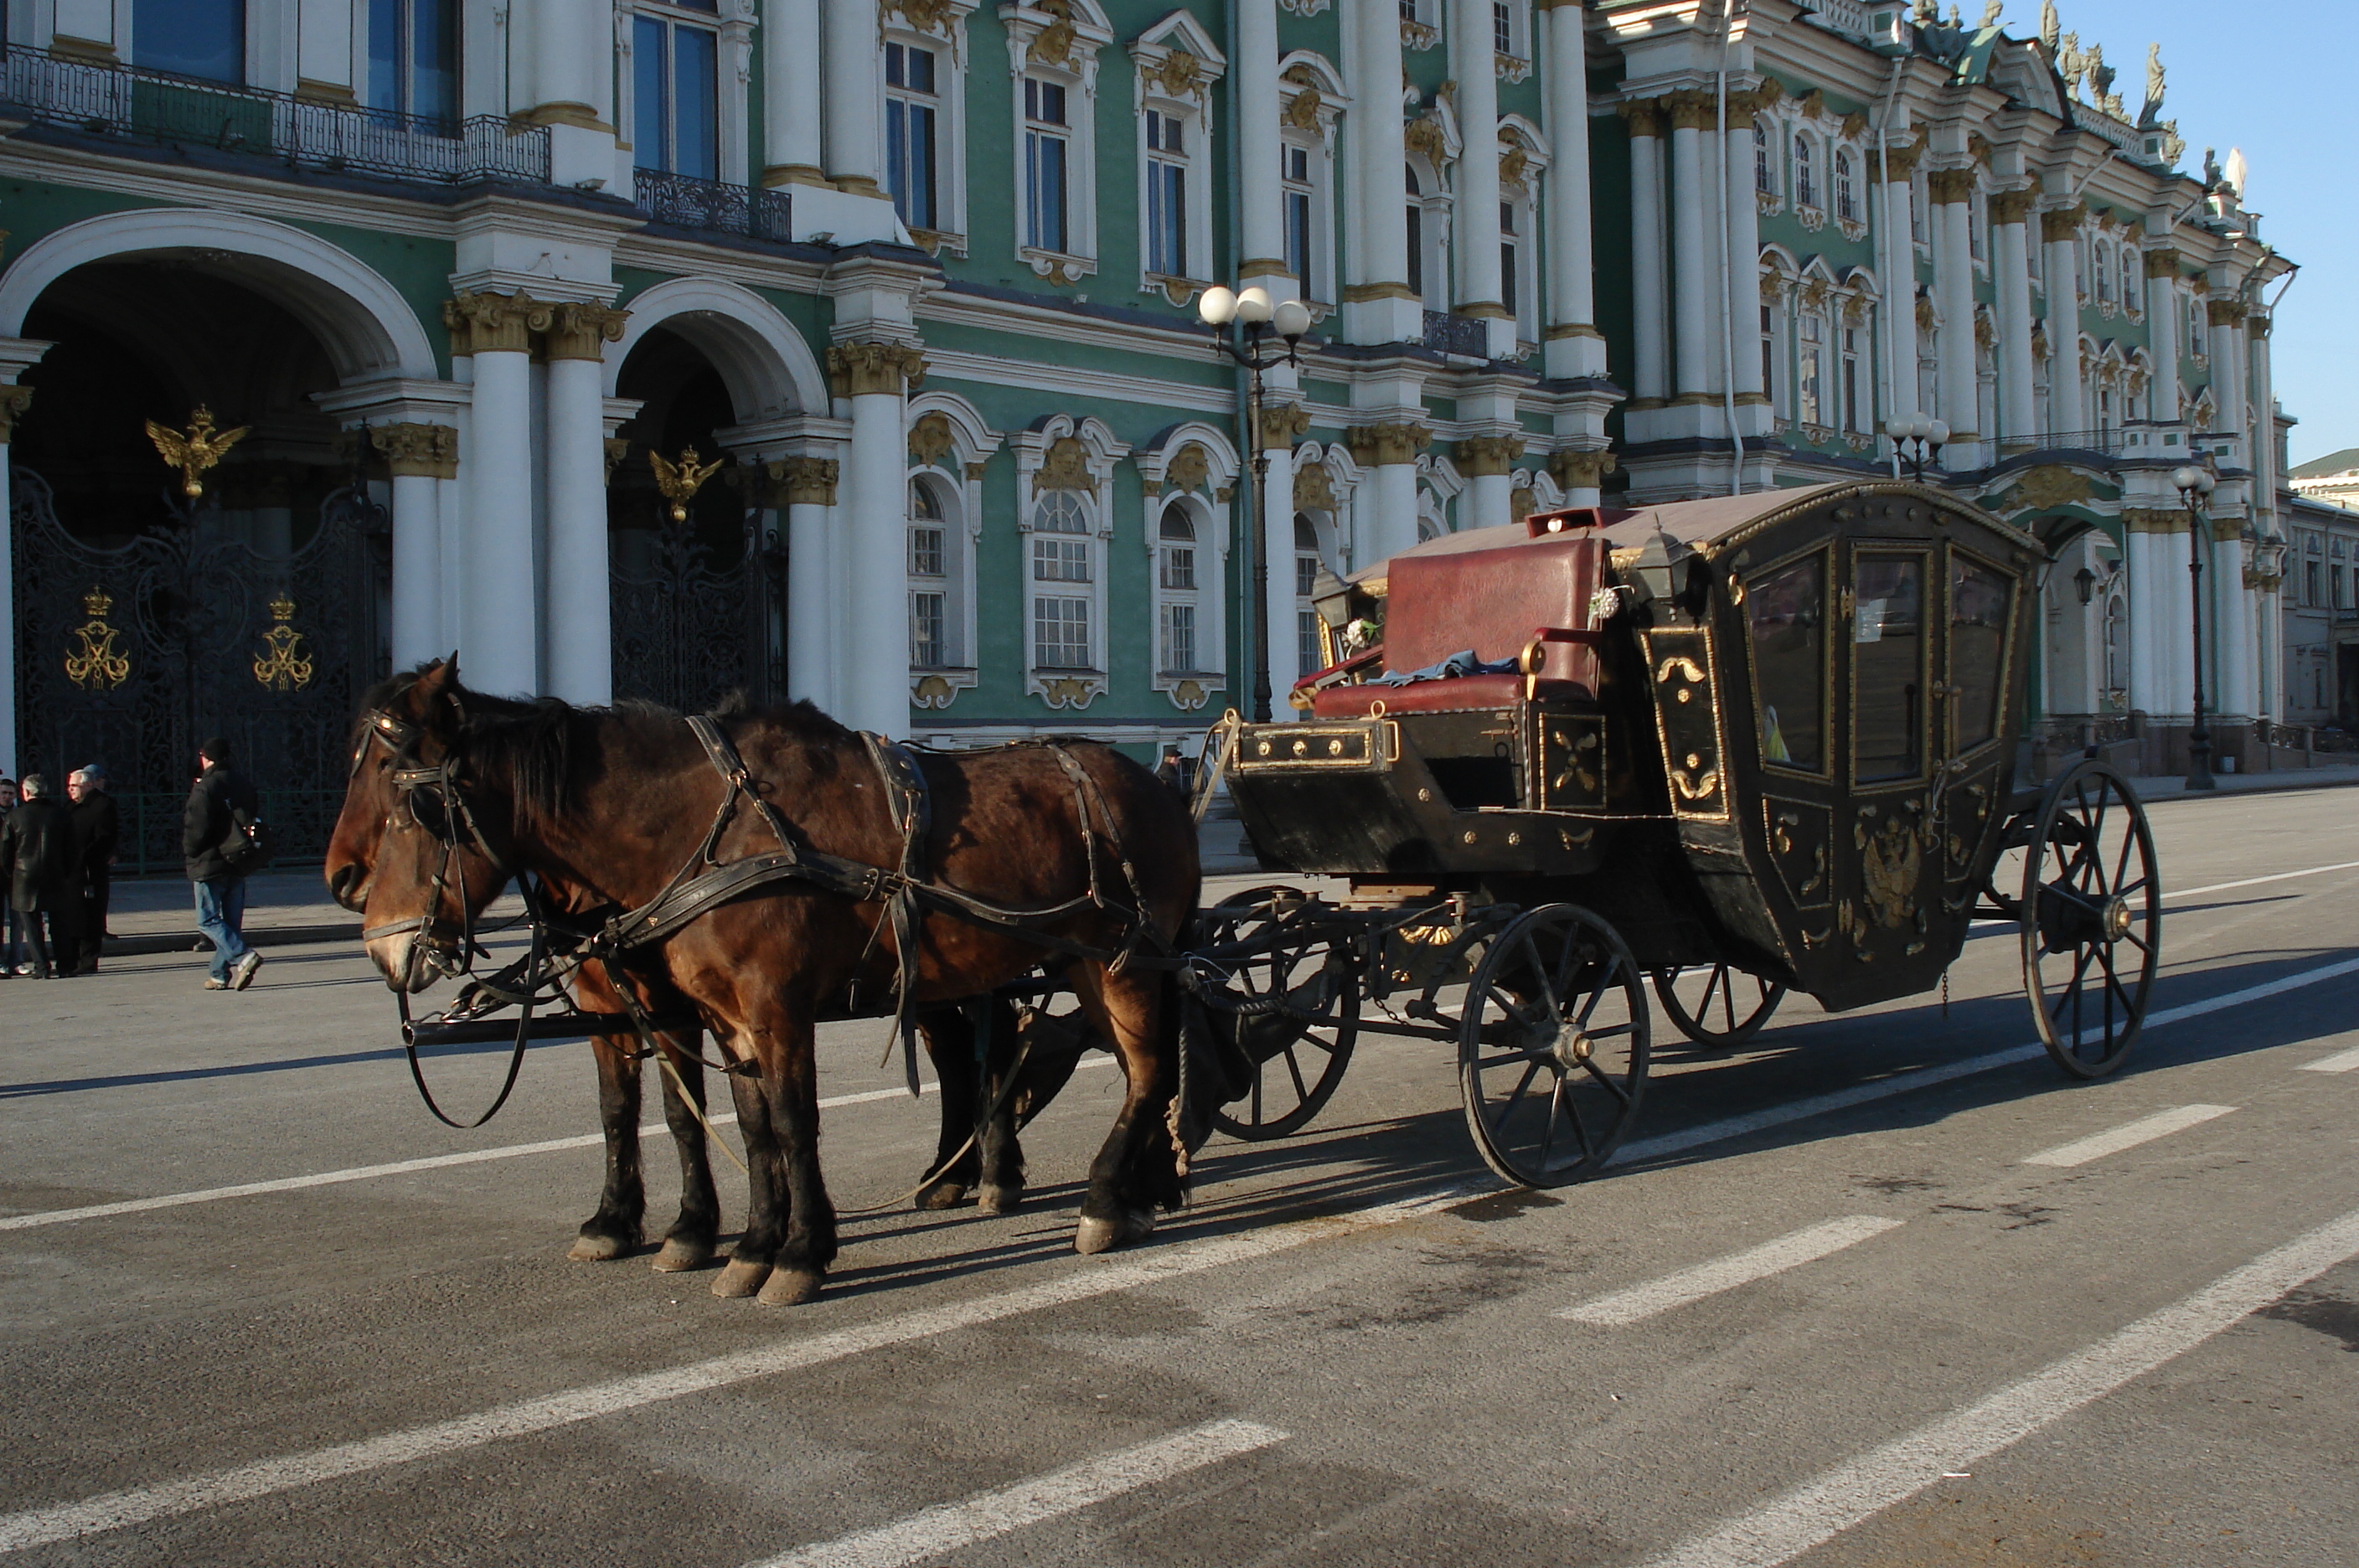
[420, 846]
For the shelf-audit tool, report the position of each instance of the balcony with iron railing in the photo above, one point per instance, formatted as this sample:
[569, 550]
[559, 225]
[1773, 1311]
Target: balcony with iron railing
[1466, 335]
[131, 104]
[684, 202]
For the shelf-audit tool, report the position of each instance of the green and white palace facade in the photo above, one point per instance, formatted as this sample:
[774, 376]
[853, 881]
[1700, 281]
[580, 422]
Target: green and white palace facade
[472, 276]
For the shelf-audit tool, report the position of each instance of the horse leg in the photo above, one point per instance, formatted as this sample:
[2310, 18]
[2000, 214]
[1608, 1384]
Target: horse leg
[950, 1042]
[615, 1229]
[1137, 1168]
[790, 1081]
[750, 1261]
[689, 1242]
[1002, 1160]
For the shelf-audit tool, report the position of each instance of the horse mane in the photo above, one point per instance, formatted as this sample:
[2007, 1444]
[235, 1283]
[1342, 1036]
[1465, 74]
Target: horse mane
[537, 743]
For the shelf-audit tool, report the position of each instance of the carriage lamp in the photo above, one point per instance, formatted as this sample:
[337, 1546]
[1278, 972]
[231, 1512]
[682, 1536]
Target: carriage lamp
[2195, 485]
[1916, 440]
[1257, 316]
[2084, 582]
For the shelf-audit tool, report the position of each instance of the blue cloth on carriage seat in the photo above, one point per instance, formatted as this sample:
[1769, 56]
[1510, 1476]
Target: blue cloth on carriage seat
[1463, 663]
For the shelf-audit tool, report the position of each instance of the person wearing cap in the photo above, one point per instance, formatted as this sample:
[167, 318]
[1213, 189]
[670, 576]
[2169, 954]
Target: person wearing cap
[97, 828]
[37, 856]
[207, 827]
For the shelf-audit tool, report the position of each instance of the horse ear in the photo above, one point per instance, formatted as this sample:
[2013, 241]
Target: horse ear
[434, 682]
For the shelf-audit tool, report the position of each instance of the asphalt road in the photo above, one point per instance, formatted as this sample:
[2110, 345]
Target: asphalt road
[1922, 1307]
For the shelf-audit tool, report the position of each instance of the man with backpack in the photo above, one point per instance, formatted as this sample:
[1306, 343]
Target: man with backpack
[222, 843]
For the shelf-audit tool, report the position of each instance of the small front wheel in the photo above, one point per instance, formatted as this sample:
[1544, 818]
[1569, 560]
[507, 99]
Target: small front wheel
[1717, 1006]
[1293, 1009]
[1553, 1048]
[2092, 919]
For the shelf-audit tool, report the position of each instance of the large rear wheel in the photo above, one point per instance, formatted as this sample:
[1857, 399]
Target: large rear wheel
[2092, 919]
[1294, 1009]
[1553, 1048]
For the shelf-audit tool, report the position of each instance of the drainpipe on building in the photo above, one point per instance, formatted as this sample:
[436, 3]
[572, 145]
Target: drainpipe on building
[1885, 261]
[1727, 283]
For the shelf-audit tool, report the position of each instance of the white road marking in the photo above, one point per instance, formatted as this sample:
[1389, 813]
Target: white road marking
[1082, 1281]
[2129, 1134]
[2257, 881]
[2341, 1061]
[1926, 1077]
[1816, 1512]
[956, 1525]
[1661, 1295]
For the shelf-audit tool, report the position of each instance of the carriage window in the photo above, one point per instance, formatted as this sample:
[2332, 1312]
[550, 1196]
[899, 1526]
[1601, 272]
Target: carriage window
[1888, 667]
[1978, 610]
[1788, 611]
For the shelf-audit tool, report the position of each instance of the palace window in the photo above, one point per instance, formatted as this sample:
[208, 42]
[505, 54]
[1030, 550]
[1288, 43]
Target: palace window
[1048, 155]
[1309, 656]
[2130, 279]
[675, 95]
[929, 581]
[1806, 176]
[1299, 167]
[413, 59]
[1855, 416]
[1765, 173]
[912, 113]
[1768, 347]
[1176, 588]
[1064, 566]
[1810, 399]
[1846, 189]
[2102, 263]
[1416, 232]
[190, 37]
[1510, 274]
[1166, 194]
[1917, 211]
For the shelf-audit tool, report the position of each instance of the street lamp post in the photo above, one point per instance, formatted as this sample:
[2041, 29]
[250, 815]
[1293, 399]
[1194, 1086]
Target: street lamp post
[1916, 440]
[1257, 318]
[2194, 485]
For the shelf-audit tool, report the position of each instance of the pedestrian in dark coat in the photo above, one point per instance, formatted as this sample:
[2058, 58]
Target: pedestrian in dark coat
[213, 819]
[37, 851]
[11, 939]
[97, 831]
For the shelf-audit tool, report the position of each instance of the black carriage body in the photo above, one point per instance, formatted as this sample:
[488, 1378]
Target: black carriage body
[1783, 738]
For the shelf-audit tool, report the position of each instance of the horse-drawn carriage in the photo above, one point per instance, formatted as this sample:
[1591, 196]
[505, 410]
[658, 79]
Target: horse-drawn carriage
[1732, 746]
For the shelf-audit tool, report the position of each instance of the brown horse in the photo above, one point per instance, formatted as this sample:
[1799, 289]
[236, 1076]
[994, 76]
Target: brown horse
[607, 808]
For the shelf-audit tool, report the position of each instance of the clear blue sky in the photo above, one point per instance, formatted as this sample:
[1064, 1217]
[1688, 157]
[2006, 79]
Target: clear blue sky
[2272, 77]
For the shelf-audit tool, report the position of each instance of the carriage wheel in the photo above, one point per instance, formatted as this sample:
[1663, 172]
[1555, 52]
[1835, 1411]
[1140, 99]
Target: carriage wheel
[1552, 1048]
[1717, 1006]
[1297, 1062]
[2091, 919]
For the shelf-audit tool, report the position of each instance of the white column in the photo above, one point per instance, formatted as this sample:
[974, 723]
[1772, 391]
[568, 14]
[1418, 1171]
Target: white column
[1487, 462]
[1575, 348]
[1695, 276]
[2174, 603]
[793, 97]
[1650, 381]
[2067, 408]
[2011, 259]
[810, 487]
[872, 681]
[1899, 313]
[2163, 332]
[1261, 221]
[1953, 286]
[2148, 642]
[1378, 305]
[419, 457]
[562, 62]
[1742, 309]
[1276, 509]
[1387, 453]
[499, 609]
[855, 116]
[2227, 368]
[2268, 629]
[1475, 220]
[2234, 645]
[580, 630]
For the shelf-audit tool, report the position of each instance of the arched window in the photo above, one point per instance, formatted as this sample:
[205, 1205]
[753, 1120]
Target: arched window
[930, 614]
[1811, 370]
[2117, 644]
[1846, 189]
[1806, 175]
[1764, 170]
[1064, 566]
[1178, 580]
[1309, 654]
[2102, 265]
[2130, 279]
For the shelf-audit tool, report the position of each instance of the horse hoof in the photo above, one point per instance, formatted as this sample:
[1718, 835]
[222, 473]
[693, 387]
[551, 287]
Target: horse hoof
[942, 1194]
[790, 1287]
[1096, 1236]
[591, 1248]
[740, 1279]
[998, 1200]
[679, 1255]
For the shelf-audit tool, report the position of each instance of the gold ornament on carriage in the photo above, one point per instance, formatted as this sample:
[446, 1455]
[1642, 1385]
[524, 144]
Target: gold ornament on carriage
[98, 667]
[680, 481]
[194, 450]
[282, 666]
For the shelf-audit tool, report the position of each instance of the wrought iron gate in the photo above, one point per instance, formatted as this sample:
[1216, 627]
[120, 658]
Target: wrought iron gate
[131, 655]
[692, 624]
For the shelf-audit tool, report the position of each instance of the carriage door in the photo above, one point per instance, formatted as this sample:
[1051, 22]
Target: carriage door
[1890, 616]
[1979, 647]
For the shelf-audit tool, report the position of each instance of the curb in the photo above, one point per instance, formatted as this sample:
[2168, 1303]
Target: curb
[146, 944]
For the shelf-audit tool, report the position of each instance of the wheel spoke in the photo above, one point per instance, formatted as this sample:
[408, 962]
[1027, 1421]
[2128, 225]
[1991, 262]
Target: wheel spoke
[1506, 1058]
[1294, 1071]
[2122, 864]
[1607, 1079]
[1548, 1129]
[1727, 979]
[1541, 974]
[1580, 1128]
[1529, 1074]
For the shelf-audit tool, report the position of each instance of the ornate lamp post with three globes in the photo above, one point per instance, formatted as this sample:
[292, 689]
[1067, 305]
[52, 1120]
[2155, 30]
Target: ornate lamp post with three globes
[2194, 486]
[1257, 320]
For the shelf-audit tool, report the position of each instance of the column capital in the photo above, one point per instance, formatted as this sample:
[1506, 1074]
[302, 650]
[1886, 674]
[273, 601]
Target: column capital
[580, 332]
[1644, 115]
[14, 401]
[1900, 162]
[1581, 470]
[1691, 111]
[2061, 223]
[2162, 264]
[493, 323]
[1479, 456]
[807, 481]
[2011, 206]
[2155, 519]
[2224, 313]
[414, 450]
[616, 449]
[1945, 187]
[1392, 441]
[2257, 325]
[865, 369]
[1282, 425]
